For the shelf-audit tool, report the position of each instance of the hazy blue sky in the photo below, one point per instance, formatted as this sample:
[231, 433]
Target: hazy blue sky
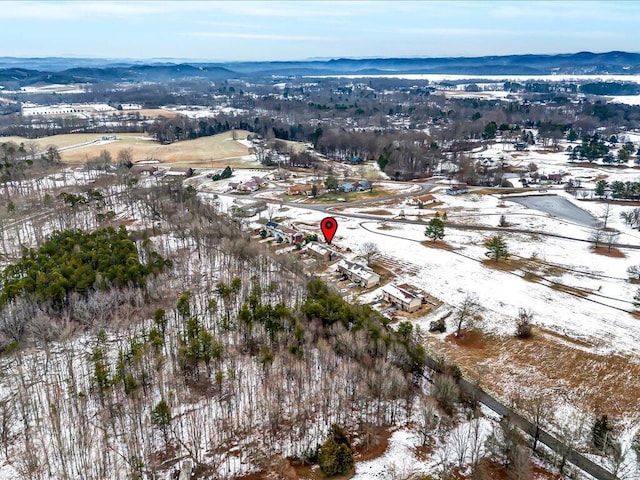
[284, 30]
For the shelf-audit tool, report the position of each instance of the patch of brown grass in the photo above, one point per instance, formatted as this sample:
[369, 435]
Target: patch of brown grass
[403, 315]
[440, 244]
[467, 339]
[214, 151]
[552, 270]
[385, 274]
[551, 363]
[382, 436]
[569, 289]
[531, 277]
[377, 212]
[608, 252]
[508, 265]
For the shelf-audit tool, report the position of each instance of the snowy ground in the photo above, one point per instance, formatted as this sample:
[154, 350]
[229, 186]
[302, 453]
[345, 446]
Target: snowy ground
[450, 275]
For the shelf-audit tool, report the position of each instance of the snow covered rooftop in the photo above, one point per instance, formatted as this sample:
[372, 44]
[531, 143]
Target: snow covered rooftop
[357, 269]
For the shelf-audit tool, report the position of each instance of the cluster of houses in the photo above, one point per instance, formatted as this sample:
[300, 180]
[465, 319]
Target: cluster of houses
[315, 189]
[406, 297]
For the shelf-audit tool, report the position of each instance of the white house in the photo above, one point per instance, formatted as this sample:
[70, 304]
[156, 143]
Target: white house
[403, 296]
[318, 251]
[358, 273]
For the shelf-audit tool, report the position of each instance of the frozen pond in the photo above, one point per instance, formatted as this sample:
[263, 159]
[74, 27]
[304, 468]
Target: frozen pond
[558, 207]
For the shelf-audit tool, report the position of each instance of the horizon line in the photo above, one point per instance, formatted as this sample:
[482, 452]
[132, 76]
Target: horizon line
[307, 59]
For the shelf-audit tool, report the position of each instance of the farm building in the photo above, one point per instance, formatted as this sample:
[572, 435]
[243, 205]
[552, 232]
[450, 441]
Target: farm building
[68, 109]
[358, 273]
[403, 296]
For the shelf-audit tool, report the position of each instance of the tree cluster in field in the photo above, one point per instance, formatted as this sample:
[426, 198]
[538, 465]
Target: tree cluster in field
[610, 88]
[496, 248]
[592, 148]
[90, 196]
[226, 173]
[624, 190]
[77, 262]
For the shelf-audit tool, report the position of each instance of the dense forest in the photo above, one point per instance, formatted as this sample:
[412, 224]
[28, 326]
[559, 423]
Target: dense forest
[209, 327]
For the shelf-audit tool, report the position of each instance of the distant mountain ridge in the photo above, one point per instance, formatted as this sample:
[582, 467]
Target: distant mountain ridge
[28, 71]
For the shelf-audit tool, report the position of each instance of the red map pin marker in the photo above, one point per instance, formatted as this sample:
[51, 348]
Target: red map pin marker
[329, 226]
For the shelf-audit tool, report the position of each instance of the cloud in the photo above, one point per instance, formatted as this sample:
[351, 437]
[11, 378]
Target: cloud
[71, 10]
[257, 36]
[61, 10]
[238, 25]
[461, 32]
[292, 9]
[599, 11]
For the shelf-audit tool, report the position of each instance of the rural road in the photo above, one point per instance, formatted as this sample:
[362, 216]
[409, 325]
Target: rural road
[564, 451]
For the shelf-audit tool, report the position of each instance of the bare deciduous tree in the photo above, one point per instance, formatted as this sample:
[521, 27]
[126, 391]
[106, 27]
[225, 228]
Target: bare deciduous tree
[125, 157]
[427, 420]
[446, 392]
[538, 408]
[369, 251]
[467, 313]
